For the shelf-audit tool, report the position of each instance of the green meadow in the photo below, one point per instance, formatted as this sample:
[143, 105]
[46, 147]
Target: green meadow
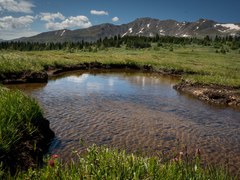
[200, 64]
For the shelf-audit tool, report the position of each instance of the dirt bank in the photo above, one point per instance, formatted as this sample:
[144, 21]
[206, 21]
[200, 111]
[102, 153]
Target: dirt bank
[96, 66]
[211, 93]
[30, 150]
[24, 77]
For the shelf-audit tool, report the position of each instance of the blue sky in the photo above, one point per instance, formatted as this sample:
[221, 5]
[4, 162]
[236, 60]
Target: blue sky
[20, 18]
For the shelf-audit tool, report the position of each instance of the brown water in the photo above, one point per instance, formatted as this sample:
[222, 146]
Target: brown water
[135, 111]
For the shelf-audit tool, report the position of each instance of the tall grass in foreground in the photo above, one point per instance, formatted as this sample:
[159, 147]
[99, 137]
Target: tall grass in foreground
[105, 163]
[18, 114]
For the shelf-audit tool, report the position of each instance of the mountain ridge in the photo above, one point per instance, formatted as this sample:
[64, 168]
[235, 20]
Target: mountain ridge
[146, 26]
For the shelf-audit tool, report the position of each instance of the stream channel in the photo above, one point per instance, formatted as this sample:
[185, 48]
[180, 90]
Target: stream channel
[138, 112]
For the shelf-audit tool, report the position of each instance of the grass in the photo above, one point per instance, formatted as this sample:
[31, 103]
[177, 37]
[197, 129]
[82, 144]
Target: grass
[17, 113]
[105, 163]
[18, 116]
[200, 64]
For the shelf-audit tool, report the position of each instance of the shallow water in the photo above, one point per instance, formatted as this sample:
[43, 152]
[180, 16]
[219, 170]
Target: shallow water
[135, 111]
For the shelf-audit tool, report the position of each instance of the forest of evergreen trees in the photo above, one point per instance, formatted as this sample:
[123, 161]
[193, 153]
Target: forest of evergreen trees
[131, 42]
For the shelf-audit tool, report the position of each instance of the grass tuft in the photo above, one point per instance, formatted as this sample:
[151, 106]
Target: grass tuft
[19, 115]
[105, 163]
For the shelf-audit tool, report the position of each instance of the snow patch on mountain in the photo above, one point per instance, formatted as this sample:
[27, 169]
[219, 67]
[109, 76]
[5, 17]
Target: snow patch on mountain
[222, 31]
[151, 34]
[185, 35]
[141, 31]
[63, 32]
[229, 26]
[130, 30]
[162, 32]
[124, 34]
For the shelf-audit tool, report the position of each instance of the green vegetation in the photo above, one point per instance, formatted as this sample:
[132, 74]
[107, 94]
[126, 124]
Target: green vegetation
[198, 63]
[105, 163]
[208, 60]
[222, 44]
[19, 115]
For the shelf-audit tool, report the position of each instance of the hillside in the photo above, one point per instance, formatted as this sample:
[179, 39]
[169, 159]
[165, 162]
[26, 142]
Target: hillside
[140, 27]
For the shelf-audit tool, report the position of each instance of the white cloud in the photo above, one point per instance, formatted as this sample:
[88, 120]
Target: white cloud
[49, 17]
[115, 19]
[99, 13]
[71, 22]
[21, 6]
[14, 34]
[12, 27]
[9, 22]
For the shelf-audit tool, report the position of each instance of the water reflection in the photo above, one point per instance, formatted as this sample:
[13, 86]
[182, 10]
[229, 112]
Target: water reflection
[136, 110]
[27, 87]
[78, 79]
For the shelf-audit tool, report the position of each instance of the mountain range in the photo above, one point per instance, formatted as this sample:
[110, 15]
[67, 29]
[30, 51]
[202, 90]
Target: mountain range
[148, 27]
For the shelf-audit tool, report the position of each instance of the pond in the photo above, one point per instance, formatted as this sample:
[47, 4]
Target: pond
[136, 112]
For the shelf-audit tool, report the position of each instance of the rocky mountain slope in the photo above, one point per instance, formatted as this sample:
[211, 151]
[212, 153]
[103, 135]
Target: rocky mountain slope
[140, 27]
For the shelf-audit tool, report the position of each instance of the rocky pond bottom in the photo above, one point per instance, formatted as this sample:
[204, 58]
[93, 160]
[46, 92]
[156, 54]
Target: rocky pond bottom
[136, 112]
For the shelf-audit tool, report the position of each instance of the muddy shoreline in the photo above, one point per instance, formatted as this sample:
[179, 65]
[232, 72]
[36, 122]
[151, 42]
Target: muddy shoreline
[216, 94]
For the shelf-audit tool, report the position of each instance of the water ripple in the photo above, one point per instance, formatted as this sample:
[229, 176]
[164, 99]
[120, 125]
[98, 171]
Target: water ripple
[136, 111]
